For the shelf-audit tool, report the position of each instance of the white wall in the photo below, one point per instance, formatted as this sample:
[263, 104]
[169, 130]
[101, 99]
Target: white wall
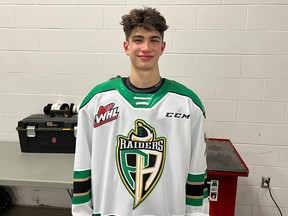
[233, 53]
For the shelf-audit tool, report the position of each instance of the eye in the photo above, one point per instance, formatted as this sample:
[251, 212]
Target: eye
[155, 40]
[137, 40]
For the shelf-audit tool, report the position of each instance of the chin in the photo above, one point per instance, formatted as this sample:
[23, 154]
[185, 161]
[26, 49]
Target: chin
[145, 69]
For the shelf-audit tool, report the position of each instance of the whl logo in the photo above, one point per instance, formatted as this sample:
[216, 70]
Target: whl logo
[106, 114]
[140, 158]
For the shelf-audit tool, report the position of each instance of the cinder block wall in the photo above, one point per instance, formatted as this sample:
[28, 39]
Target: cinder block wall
[233, 53]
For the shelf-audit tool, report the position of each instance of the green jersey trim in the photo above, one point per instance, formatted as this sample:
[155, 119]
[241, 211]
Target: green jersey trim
[141, 100]
[196, 189]
[196, 178]
[81, 199]
[82, 174]
[144, 100]
[183, 90]
[82, 186]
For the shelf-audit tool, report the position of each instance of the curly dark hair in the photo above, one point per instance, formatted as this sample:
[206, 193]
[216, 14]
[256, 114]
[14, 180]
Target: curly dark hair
[147, 18]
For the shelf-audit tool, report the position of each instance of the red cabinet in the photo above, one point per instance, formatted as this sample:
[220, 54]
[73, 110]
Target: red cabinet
[224, 166]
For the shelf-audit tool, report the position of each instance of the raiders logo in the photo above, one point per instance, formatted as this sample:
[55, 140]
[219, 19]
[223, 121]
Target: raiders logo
[140, 160]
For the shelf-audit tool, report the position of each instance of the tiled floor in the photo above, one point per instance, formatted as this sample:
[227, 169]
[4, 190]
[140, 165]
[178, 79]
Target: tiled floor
[37, 211]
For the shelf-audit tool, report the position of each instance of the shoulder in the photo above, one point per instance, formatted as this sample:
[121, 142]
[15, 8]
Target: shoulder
[181, 89]
[103, 87]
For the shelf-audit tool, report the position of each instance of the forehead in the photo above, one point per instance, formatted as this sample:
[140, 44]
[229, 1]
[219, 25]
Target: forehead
[144, 33]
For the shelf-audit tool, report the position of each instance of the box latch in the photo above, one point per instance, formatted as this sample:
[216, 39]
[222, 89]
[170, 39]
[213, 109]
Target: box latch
[31, 131]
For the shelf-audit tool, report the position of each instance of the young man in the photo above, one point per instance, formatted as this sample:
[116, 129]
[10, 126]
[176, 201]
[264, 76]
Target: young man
[140, 146]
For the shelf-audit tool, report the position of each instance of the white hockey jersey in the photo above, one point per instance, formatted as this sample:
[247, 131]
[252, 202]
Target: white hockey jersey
[140, 154]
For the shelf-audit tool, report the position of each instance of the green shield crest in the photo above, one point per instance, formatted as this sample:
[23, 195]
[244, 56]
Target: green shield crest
[140, 158]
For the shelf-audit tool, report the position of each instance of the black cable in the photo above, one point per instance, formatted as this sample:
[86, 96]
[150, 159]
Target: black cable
[274, 200]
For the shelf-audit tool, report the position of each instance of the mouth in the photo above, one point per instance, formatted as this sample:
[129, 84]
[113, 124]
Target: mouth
[145, 57]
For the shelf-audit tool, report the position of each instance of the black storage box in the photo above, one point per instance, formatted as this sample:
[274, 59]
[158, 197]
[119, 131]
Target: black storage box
[45, 134]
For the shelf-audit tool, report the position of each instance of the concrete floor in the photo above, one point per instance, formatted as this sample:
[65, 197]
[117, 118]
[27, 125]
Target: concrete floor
[37, 211]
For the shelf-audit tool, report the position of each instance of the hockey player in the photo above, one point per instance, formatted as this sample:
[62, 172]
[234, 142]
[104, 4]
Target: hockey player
[140, 146]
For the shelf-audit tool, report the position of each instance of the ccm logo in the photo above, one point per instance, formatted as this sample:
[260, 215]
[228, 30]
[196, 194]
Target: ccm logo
[177, 115]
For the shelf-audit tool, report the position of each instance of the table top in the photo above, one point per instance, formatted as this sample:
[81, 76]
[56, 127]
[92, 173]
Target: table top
[223, 159]
[34, 169]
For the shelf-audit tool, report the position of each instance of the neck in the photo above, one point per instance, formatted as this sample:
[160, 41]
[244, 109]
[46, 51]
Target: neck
[149, 90]
[144, 79]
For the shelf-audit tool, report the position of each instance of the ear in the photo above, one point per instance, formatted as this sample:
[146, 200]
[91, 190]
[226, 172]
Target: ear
[163, 47]
[126, 47]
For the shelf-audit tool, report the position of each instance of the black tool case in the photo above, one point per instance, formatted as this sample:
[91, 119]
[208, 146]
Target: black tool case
[42, 133]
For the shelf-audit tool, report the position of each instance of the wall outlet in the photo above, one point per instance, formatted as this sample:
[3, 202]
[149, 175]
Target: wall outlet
[265, 183]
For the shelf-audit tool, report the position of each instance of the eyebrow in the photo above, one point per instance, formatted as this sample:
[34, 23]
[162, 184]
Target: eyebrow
[155, 37]
[152, 37]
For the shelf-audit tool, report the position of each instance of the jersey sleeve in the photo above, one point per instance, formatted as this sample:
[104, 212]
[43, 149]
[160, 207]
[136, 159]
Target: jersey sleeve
[197, 203]
[81, 201]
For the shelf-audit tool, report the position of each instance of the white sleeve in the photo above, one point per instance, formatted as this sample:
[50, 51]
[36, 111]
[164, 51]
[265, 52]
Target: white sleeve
[81, 201]
[82, 210]
[197, 203]
[202, 210]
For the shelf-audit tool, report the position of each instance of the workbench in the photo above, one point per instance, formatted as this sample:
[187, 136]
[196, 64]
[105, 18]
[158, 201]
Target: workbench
[44, 170]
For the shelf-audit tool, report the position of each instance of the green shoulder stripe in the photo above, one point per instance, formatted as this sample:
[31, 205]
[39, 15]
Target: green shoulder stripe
[106, 86]
[183, 90]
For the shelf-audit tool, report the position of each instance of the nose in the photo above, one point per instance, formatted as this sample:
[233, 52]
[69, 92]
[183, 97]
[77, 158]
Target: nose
[146, 47]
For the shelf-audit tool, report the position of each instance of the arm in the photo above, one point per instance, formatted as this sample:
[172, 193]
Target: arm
[197, 203]
[81, 201]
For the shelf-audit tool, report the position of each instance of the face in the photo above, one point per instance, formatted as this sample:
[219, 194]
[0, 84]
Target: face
[144, 49]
